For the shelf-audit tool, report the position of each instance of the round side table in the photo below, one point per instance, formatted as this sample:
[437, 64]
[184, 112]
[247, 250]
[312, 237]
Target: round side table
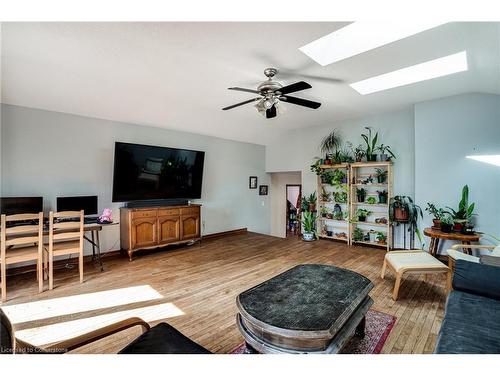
[436, 235]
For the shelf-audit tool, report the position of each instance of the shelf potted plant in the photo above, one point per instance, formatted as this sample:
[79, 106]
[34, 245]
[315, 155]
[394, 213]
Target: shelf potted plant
[381, 238]
[382, 196]
[385, 153]
[371, 144]
[357, 235]
[446, 223]
[323, 211]
[338, 215]
[362, 214]
[437, 214]
[329, 231]
[381, 175]
[325, 196]
[339, 177]
[371, 200]
[358, 152]
[308, 220]
[361, 194]
[330, 144]
[464, 212]
[373, 235]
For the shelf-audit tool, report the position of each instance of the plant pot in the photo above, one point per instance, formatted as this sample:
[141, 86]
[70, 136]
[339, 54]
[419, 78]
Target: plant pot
[381, 179]
[359, 160]
[384, 157]
[323, 215]
[457, 227]
[328, 161]
[329, 216]
[344, 180]
[382, 242]
[382, 199]
[329, 233]
[372, 157]
[373, 237]
[437, 223]
[312, 207]
[400, 215]
[467, 229]
[446, 228]
[361, 198]
[362, 218]
[308, 236]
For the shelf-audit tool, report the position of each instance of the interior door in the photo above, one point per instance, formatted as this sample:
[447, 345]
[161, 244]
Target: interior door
[169, 228]
[144, 232]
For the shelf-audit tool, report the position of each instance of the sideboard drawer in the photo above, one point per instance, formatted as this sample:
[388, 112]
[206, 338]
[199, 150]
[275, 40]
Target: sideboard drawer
[190, 211]
[168, 211]
[144, 213]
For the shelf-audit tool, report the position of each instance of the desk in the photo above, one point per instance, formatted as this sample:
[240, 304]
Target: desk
[95, 241]
[436, 235]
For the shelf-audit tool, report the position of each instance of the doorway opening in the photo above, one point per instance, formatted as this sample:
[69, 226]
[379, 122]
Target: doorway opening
[293, 196]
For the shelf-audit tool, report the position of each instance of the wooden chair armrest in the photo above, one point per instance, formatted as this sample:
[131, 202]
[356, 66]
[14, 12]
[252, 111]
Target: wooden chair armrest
[461, 247]
[87, 338]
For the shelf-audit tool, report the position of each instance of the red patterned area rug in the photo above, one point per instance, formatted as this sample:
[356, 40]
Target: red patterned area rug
[378, 327]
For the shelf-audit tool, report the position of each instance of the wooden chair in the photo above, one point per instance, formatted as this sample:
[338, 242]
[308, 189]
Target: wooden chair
[65, 238]
[160, 339]
[21, 243]
[464, 252]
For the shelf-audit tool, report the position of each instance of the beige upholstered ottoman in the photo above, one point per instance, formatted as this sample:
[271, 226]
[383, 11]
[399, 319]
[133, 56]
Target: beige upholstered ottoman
[413, 261]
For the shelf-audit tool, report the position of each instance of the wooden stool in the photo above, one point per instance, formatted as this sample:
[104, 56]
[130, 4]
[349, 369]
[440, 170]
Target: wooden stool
[413, 261]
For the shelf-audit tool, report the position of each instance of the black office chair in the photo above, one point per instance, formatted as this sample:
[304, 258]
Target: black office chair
[161, 339]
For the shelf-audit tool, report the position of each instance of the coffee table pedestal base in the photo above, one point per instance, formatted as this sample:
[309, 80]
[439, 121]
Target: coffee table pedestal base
[274, 341]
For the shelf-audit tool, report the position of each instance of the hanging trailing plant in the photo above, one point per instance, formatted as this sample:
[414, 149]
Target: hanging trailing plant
[331, 143]
[402, 209]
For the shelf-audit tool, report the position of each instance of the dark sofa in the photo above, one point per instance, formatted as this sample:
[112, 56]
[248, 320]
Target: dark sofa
[471, 324]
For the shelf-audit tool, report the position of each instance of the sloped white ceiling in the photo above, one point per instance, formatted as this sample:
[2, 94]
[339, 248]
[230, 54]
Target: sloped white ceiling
[175, 75]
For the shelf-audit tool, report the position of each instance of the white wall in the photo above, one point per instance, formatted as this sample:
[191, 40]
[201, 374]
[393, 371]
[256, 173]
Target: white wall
[446, 131]
[53, 154]
[278, 200]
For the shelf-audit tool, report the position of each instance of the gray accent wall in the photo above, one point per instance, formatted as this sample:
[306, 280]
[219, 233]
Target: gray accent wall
[55, 154]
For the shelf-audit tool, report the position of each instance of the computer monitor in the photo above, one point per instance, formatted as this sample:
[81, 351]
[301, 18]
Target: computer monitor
[21, 205]
[86, 203]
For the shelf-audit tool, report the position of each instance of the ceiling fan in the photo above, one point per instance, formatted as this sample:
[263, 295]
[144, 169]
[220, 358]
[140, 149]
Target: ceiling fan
[272, 94]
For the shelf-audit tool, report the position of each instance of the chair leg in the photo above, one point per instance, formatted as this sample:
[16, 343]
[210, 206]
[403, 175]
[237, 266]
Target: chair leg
[382, 275]
[80, 266]
[448, 282]
[396, 287]
[39, 273]
[51, 271]
[4, 282]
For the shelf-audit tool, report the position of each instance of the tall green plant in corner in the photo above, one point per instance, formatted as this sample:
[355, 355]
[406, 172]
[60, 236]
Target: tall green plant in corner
[371, 144]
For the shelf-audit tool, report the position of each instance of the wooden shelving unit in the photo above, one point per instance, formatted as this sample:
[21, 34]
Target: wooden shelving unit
[337, 226]
[362, 171]
[355, 173]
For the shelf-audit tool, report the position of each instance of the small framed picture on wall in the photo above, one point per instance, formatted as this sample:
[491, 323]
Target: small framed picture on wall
[252, 182]
[263, 189]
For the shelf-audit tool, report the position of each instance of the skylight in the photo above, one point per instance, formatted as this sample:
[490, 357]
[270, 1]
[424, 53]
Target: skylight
[430, 69]
[361, 36]
[489, 159]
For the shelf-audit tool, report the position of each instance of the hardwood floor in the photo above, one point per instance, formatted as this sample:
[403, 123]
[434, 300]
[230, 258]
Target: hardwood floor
[194, 289]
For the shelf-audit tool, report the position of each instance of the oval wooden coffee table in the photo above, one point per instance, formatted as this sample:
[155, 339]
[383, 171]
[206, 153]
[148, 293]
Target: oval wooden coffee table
[436, 235]
[311, 308]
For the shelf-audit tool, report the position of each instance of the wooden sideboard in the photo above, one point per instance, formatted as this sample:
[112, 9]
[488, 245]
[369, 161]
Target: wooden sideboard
[150, 227]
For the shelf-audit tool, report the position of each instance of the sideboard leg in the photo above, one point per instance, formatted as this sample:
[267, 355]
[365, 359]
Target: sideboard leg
[130, 256]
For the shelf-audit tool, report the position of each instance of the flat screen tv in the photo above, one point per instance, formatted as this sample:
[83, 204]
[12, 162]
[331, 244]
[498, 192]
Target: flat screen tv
[144, 172]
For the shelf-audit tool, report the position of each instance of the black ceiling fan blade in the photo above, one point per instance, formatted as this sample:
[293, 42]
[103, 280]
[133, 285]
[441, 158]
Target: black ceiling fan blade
[299, 101]
[271, 112]
[294, 87]
[238, 104]
[244, 90]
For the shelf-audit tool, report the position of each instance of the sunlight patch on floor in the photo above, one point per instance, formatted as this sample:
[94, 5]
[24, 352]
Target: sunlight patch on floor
[26, 312]
[44, 335]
